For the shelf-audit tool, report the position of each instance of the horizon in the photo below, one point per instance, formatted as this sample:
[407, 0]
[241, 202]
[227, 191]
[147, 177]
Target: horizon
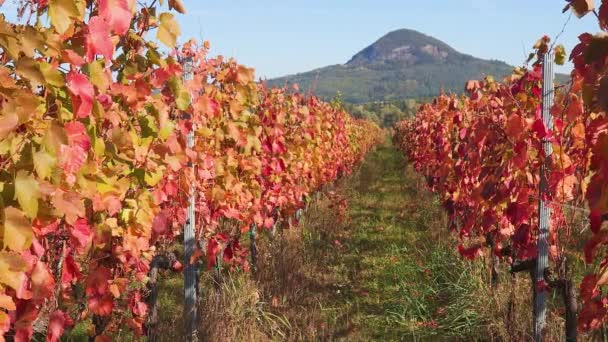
[286, 44]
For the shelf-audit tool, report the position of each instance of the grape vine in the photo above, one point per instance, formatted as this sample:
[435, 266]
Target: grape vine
[95, 170]
[481, 153]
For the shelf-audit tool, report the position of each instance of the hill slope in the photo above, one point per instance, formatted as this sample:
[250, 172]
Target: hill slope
[401, 64]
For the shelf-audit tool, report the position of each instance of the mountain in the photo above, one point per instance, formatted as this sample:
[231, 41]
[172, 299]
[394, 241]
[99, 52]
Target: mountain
[402, 64]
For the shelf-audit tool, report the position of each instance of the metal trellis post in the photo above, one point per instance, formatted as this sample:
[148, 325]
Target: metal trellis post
[544, 211]
[190, 279]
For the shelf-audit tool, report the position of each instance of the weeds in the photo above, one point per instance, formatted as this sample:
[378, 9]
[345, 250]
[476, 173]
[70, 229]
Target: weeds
[382, 268]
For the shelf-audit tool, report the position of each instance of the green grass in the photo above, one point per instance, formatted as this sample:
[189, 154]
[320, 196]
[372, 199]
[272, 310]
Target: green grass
[396, 278]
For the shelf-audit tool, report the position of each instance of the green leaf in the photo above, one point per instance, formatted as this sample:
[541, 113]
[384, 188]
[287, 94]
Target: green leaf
[139, 174]
[560, 55]
[182, 97]
[156, 58]
[148, 127]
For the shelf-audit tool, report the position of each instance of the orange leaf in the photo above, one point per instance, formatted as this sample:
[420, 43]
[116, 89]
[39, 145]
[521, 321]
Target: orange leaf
[6, 302]
[18, 233]
[43, 283]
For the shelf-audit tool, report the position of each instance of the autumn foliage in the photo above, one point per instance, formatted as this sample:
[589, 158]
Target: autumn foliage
[95, 170]
[482, 154]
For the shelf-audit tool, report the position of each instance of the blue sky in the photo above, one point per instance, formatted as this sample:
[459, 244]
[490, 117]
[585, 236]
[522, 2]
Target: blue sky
[279, 37]
[283, 37]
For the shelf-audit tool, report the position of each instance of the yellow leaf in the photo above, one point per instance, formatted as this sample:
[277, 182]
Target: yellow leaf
[54, 43]
[152, 178]
[174, 162]
[253, 142]
[98, 76]
[51, 75]
[18, 232]
[54, 137]
[8, 39]
[144, 214]
[25, 105]
[6, 79]
[218, 194]
[28, 69]
[44, 164]
[99, 147]
[27, 193]
[168, 30]
[204, 132]
[127, 214]
[104, 188]
[560, 55]
[61, 13]
[166, 130]
[31, 40]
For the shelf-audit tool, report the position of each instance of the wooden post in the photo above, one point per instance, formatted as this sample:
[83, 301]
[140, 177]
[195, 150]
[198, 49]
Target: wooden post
[190, 281]
[544, 211]
[159, 262]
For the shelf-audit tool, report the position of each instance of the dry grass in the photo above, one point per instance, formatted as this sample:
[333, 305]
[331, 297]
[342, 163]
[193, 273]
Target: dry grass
[388, 271]
[236, 312]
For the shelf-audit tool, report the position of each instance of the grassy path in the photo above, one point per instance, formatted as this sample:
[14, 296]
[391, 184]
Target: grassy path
[395, 276]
